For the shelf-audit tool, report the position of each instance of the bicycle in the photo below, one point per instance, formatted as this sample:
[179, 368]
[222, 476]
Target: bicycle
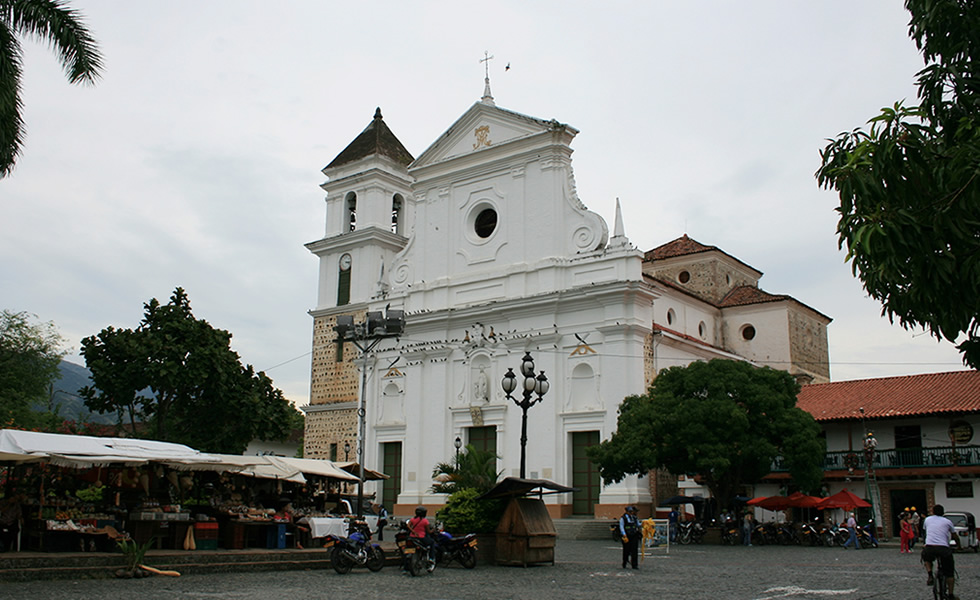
[940, 590]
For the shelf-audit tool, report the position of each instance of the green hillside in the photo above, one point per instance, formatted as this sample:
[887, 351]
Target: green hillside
[65, 395]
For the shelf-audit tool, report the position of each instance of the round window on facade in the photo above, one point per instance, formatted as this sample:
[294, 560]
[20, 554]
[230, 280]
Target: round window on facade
[683, 276]
[748, 332]
[670, 316]
[485, 223]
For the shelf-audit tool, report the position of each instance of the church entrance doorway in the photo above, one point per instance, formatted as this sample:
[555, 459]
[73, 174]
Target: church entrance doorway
[391, 456]
[585, 475]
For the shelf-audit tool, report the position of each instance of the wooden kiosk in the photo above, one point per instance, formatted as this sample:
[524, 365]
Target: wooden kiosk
[526, 534]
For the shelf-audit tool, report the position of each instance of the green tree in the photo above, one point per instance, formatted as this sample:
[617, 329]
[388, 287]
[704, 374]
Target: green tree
[49, 21]
[725, 421]
[178, 376]
[470, 469]
[470, 474]
[30, 353]
[908, 186]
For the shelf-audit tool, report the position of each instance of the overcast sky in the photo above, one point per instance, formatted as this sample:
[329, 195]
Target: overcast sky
[195, 161]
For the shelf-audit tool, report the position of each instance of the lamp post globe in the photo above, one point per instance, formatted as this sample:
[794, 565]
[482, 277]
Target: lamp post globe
[531, 386]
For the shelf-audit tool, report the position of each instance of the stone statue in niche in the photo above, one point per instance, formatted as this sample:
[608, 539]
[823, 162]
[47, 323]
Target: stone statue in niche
[481, 387]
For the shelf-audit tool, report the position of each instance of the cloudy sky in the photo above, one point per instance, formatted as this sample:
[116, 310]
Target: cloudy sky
[196, 160]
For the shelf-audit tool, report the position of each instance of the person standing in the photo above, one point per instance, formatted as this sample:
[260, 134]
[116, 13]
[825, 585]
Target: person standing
[938, 533]
[852, 532]
[382, 513]
[672, 518]
[748, 524]
[907, 531]
[915, 520]
[629, 529]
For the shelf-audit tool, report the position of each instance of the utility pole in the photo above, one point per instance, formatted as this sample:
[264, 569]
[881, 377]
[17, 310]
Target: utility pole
[365, 336]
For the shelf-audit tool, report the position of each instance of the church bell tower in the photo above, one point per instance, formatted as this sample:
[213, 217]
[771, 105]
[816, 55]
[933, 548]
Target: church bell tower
[367, 223]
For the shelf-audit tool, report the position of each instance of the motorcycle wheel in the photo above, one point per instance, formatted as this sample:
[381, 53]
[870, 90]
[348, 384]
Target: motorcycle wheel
[415, 566]
[467, 557]
[376, 558]
[340, 562]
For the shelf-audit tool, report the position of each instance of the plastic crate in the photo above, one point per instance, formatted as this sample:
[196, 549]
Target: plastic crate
[275, 536]
[207, 544]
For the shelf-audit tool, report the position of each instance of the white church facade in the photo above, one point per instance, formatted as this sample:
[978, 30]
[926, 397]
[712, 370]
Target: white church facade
[483, 242]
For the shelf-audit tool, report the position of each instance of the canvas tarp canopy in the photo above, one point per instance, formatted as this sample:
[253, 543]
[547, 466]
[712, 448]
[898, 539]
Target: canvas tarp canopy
[352, 468]
[83, 452]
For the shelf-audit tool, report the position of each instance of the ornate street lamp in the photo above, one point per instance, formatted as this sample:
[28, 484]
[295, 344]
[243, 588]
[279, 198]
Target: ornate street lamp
[531, 386]
[457, 444]
[346, 451]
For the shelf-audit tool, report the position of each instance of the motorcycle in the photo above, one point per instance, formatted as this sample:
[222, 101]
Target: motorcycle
[730, 532]
[415, 556]
[461, 549]
[787, 535]
[355, 550]
[866, 536]
[810, 535]
[690, 532]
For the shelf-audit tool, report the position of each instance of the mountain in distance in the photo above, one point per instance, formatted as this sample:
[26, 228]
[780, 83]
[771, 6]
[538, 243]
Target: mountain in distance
[65, 396]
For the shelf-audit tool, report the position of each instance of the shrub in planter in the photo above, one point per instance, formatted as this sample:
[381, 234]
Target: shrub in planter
[464, 513]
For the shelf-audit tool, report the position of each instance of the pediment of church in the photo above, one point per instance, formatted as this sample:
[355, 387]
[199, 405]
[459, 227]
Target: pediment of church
[483, 127]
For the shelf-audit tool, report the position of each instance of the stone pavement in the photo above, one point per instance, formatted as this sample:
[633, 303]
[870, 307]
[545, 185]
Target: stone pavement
[587, 570]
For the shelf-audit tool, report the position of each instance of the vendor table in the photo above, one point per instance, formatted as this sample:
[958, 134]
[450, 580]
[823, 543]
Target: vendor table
[42, 537]
[253, 534]
[324, 526]
[168, 534]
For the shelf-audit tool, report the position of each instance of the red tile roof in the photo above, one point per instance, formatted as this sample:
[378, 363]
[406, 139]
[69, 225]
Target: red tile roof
[685, 246]
[679, 247]
[956, 392]
[749, 294]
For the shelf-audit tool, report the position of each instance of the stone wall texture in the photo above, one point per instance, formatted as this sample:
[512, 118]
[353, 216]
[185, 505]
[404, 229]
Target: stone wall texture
[334, 392]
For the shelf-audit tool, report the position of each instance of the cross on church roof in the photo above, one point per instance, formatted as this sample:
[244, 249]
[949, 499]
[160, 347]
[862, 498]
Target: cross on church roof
[487, 97]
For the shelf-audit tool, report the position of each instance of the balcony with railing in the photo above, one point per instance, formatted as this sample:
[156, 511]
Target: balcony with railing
[897, 458]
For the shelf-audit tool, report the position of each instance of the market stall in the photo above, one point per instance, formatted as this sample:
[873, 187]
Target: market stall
[84, 493]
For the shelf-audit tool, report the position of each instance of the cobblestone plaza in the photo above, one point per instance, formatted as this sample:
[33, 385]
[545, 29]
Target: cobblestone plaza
[587, 570]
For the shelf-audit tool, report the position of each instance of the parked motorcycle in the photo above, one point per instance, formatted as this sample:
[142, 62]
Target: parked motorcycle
[415, 556]
[731, 534]
[355, 550]
[689, 532]
[787, 535]
[810, 535]
[461, 549]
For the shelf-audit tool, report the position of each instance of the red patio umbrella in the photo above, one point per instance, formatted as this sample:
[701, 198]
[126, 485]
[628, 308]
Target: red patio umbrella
[801, 500]
[843, 499]
[771, 502]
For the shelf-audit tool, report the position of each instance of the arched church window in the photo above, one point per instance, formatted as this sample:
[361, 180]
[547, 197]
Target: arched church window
[351, 211]
[397, 205]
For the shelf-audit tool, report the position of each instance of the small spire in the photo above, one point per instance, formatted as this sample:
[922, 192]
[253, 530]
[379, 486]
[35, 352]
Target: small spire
[619, 230]
[487, 96]
[377, 113]
[619, 238]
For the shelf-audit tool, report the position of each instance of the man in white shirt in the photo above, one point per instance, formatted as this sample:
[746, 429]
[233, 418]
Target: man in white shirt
[938, 533]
